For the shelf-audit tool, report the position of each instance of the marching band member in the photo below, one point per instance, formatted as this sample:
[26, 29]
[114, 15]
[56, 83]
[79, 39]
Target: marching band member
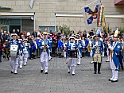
[121, 57]
[20, 53]
[80, 48]
[50, 47]
[77, 39]
[84, 47]
[72, 55]
[25, 51]
[60, 47]
[65, 44]
[97, 50]
[114, 57]
[38, 42]
[44, 57]
[14, 46]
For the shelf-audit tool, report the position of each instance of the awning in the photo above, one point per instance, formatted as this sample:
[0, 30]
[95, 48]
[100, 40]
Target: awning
[19, 15]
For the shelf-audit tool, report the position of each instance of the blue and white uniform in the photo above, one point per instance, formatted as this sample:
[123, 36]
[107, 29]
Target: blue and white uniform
[14, 60]
[114, 61]
[25, 52]
[50, 47]
[80, 49]
[72, 59]
[21, 53]
[44, 55]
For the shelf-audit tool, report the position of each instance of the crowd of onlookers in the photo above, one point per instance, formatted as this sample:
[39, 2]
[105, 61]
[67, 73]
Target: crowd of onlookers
[55, 36]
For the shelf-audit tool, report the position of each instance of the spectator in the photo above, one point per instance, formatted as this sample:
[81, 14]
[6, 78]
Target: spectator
[91, 33]
[34, 33]
[85, 34]
[1, 47]
[5, 36]
[1, 32]
[54, 46]
[18, 32]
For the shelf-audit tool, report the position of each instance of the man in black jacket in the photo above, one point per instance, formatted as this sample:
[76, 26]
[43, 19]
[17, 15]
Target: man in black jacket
[5, 36]
[34, 33]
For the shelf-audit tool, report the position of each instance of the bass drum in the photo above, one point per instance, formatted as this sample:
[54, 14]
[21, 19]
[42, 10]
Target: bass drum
[72, 53]
[13, 50]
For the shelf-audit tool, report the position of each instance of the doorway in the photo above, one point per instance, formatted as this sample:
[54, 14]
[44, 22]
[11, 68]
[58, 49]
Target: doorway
[14, 27]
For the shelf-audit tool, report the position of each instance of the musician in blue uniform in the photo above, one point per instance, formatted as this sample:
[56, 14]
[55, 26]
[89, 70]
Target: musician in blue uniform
[60, 46]
[72, 48]
[25, 51]
[50, 47]
[114, 57]
[14, 59]
[44, 57]
[80, 49]
[38, 41]
[97, 50]
[20, 53]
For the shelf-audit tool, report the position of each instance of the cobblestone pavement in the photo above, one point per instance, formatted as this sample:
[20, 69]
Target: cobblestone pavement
[30, 80]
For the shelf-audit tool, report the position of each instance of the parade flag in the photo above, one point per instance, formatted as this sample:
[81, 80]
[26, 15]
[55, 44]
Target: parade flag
[101, 17]
[31, 3]
[91, 13]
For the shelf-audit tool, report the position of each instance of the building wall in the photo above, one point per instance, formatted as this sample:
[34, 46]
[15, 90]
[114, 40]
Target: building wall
[45, 11]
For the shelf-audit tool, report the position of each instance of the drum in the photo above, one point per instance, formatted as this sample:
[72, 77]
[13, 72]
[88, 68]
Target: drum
[72, 53]
[13, 50]
[25, 50]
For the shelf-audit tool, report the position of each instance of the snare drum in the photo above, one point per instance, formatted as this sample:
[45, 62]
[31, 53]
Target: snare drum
[13, 50]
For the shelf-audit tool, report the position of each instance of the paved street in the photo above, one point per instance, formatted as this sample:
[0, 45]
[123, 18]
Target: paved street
[30, 80]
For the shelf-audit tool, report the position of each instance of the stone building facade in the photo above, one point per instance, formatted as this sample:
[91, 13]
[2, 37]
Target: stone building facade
[45, 14]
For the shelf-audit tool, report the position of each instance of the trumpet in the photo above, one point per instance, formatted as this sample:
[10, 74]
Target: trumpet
[44, 48]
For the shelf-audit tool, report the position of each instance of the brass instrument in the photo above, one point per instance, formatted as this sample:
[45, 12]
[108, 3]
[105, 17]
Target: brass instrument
[88, 48]
[44, 48]
[97, 50]
[97, 56]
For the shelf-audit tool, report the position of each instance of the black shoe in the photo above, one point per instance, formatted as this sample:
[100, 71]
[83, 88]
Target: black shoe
[109, 80]
[68, 71]
[41, 71]
[15, 73]
[94, 72]
[11, 72]
[114, 80]
[46, 72]
[73, 74]
[99, 72]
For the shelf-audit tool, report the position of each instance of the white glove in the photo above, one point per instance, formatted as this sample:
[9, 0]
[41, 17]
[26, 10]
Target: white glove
[41, 47]
[4, 45]
[111, 48]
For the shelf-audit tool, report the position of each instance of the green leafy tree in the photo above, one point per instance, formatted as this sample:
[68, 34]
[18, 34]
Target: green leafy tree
[121, 29]
[64, 29]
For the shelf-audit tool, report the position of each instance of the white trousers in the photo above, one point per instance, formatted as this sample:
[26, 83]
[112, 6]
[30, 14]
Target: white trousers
[20, 61]
[44, 61]
[114, 75]
[72, 64]
[25, 58]
[14, 64]
[114, 72]
[79, 60]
